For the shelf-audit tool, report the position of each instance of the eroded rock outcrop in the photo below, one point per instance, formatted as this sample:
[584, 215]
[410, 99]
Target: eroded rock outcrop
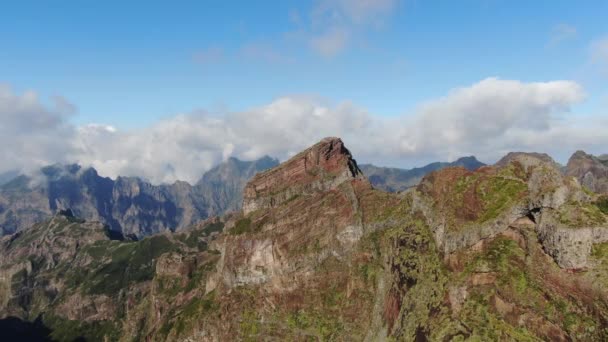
[591, 171]
[469, 207]
[570, 245]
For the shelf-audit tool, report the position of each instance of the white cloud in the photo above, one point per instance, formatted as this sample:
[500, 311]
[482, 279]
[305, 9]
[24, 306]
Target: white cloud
[32, 133]
[488, 119]
[480, 118]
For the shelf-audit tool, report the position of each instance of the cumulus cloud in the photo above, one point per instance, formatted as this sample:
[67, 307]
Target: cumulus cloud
[481, 118]
[487, 119]
[31, 132]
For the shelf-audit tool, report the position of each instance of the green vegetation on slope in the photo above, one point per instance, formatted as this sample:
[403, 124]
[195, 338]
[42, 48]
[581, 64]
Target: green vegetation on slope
[518, 296]
[68, 330]
[576, 214]
[117, 265]
[602, 205]
[419, 281]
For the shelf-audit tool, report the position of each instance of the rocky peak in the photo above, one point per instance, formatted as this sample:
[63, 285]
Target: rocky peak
[527, 159]
[582, 159]
[590, 171]
[322, 167]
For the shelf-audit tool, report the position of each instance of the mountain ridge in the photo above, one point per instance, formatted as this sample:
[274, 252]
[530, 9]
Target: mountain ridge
[127, 204]
[513, 251]
[396, 179]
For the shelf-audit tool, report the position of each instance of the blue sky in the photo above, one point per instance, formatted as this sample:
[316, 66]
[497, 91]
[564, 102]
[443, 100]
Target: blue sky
[127, 63]
[138, 65]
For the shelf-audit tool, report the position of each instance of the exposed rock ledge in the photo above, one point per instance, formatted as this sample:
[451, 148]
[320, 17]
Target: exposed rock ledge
[569, 247]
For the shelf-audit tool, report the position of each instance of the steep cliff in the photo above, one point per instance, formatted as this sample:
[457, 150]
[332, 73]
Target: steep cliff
[515, 251]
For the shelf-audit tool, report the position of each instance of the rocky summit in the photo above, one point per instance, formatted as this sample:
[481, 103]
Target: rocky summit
[322, 167]
[516, 251]
[591, 171]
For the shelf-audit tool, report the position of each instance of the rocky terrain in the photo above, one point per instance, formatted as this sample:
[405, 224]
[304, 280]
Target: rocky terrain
[128, 204]
[511, 252]
[395, 179]
[591, 171]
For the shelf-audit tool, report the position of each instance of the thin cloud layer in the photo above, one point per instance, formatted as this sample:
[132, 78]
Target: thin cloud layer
[562, 33]
[486, 119]
[335, 23]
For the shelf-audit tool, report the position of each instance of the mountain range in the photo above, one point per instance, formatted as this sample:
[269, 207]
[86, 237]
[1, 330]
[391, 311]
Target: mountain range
[128, 205]
[395, 179]
[136, 208]
[516, 251]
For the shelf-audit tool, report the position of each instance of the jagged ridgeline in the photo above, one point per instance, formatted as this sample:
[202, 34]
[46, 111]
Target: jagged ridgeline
[128, 205]
[515, 251]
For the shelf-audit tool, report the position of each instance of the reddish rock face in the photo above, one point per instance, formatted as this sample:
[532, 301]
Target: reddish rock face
[321, 167]
[590, 171]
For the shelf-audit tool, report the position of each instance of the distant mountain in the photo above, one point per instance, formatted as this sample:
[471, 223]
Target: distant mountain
[394, 179]
[127, 204]
[7, 176]
[222, 186]
[591, 171]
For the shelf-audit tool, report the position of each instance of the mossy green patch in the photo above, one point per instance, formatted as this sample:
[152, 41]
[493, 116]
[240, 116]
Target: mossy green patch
[498, 194]
[192, 314]
[119, 265]
[69, 330]
[213, 228]
[323, 325]
[485, 325]
[419, 277]
[17, 280]
[245, 225]
[602, 205]
[577, 214]
[476, 198]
